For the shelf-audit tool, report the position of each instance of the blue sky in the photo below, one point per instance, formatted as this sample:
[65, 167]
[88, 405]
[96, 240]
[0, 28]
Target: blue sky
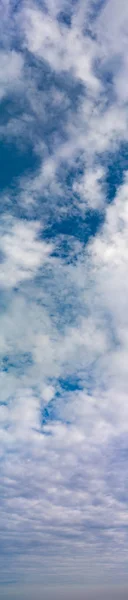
[63, 298]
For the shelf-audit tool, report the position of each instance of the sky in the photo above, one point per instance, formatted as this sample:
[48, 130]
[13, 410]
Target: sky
[63, 299]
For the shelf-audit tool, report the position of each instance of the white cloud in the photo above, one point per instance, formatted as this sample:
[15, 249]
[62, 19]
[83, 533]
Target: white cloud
[111, 28]
[65, 464]
[91, 188]
[11, 72]
[99, 124]
[64, 49]
[61, 471]
[64, 333]
[23, 253]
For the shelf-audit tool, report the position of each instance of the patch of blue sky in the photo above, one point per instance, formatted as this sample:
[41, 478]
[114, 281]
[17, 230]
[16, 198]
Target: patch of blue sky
[65, 17]
[17, 363]
[51, 412]
[65, 387]
[71, 228]
[116, 167]
[69, 385]
[74, 225]
[116, 163]
[14, 162]
[22, 161]
[85, 378]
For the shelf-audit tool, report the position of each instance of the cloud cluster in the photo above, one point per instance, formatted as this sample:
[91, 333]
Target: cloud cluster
[64, 322]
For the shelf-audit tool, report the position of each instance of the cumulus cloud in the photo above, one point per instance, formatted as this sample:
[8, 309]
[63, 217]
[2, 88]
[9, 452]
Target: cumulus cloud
[22, 253]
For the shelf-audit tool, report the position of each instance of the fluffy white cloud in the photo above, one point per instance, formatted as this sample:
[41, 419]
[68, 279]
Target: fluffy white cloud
[22, 253]
[91, 188]
[64, 49]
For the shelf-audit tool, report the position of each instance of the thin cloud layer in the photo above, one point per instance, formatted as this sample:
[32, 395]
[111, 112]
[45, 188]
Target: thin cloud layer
[64, 296]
